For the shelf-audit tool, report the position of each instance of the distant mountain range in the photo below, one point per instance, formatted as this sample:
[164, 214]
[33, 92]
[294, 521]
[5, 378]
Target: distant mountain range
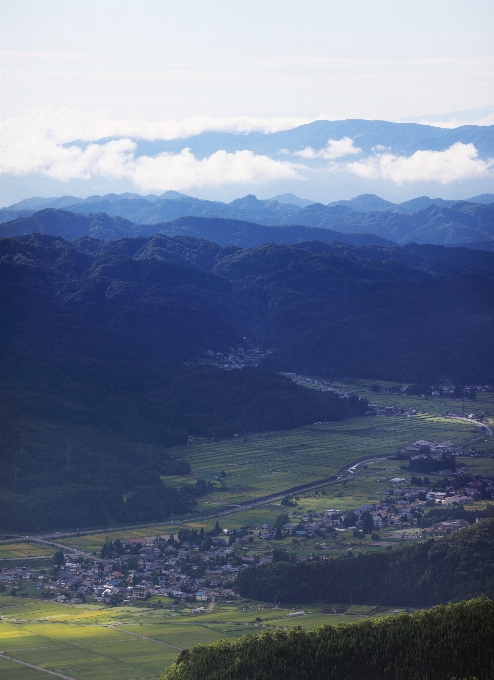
[225, 232]
[348, 156]
[368, 135]
[249, 221]
[151, 208]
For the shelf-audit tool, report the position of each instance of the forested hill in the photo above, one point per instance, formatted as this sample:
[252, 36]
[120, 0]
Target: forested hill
[102, 340]
[447, 643]
[248, 221]
[93, 385]
[446, 569]
[324, 309]
[71, 225]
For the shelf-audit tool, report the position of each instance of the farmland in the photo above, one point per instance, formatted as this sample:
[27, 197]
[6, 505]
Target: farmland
[89, 641]
[139, 640]
[22, 550]
[267, 463]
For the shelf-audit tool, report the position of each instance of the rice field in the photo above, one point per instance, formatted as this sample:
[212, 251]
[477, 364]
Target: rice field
[85, 642]
[271, 462]
[10, 551]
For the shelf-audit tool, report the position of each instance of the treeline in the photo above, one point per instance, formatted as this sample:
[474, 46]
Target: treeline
[452, 642]
[443, 514]
[452, 568]
[76, 506]
[426, 463]
[131, 425]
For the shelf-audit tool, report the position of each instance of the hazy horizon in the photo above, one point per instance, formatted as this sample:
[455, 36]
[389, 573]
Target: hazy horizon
[129, 70]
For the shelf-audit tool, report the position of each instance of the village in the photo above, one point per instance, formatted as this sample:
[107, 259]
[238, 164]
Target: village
[200, 568]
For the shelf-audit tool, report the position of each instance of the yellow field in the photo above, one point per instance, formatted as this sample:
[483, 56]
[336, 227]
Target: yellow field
[92, 642]
[16, 550]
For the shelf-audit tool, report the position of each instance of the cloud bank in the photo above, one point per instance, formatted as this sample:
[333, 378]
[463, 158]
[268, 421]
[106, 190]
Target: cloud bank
[39, 143]
[66, 125]
[458, 162]
[164, 171]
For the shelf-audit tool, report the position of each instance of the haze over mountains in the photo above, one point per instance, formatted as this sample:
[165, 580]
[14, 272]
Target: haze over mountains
[249, 221]
[368, 136]
[320, 159]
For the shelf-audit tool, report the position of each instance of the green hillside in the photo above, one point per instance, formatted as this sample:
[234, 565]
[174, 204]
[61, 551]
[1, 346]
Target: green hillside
[452, 642]
[440, 570]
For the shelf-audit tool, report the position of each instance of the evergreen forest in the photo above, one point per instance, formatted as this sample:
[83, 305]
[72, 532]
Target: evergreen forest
[435, 571]
[451, 642]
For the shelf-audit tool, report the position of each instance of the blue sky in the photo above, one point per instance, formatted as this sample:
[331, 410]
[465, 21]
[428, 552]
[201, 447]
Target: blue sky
[90, 69]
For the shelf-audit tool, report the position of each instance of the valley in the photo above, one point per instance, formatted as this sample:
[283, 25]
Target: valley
[184, 425]
[77, 640]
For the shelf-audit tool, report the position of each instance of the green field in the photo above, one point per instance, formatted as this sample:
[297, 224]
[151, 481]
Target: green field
[271, 462]
[10, 551]
[91, 641]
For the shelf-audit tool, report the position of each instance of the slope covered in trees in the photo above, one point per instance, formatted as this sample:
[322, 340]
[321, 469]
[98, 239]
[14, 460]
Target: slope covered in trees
[93, 386]
[439, 570]
[101, 340]
[70, 225]
[451, 642]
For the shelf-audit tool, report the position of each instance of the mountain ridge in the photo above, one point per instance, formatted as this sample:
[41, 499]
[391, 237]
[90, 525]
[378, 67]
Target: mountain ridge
[458, 223]
[70, 225]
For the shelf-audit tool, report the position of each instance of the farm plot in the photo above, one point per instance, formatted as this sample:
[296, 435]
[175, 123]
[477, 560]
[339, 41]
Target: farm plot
[123, 643]
[9, 551]
[272, 462]
[269, 463]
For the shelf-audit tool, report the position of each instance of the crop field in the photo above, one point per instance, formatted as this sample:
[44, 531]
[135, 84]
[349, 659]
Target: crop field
[10, 551]
[132, 642]
[271, 462]
[483, 402]
[90, 641]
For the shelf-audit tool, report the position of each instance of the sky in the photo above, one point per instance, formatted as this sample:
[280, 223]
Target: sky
[163, 69]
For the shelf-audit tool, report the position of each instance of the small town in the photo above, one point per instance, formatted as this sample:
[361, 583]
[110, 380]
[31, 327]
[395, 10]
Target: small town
[200, 568]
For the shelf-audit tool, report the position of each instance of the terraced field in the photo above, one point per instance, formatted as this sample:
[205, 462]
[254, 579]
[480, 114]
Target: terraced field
[268, 463]
[271, 462]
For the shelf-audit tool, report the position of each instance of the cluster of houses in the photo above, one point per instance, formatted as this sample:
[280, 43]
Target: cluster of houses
[203, 573]
[236, 358]
[150, 568]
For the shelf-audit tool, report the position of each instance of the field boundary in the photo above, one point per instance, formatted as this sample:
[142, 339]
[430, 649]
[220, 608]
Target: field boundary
[143, 637]
[37, 668]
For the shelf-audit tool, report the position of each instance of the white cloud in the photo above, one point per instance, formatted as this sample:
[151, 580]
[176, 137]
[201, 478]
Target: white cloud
[459, 162]
[66, 125]
[39, 143]
[335, 148]
[455, 122]
[164, 171]
[183, 170]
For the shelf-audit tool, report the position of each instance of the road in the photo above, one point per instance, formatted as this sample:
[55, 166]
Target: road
[53, 539]
[143, 637]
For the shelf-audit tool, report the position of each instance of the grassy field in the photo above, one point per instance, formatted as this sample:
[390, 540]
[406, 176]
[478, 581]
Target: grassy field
[91, 641]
